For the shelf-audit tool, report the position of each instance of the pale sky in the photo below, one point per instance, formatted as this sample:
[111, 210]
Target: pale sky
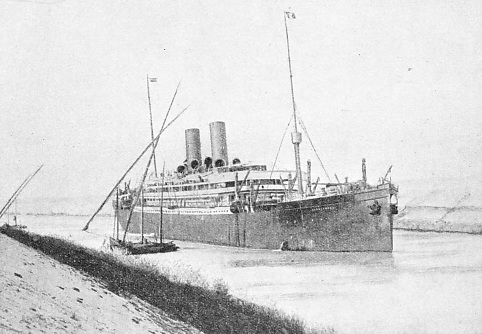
[396, 82]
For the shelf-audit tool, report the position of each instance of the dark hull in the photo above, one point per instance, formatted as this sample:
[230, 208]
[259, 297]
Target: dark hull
[340, 223]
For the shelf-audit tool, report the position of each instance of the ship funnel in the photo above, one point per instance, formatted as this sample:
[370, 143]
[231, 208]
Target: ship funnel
[219, 146]
[193, 149]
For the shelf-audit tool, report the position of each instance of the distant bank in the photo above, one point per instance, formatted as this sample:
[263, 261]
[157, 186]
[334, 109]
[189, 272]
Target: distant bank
[60, 206]
[441, 205]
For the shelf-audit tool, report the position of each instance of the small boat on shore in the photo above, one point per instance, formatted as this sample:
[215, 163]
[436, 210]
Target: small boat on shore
[146, 247]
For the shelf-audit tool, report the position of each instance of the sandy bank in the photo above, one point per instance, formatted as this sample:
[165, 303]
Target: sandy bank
[40, 295]
[441, 205]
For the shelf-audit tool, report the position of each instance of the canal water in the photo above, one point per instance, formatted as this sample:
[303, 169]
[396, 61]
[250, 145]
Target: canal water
[431, 283]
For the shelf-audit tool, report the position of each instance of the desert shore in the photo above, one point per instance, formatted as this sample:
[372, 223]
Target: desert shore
[40, 295]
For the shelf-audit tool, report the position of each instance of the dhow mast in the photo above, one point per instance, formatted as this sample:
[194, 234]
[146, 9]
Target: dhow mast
[150, 115]
[295, 135]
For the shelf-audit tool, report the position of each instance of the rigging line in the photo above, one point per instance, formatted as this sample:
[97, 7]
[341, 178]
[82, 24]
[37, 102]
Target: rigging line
[275, 160]
[128, 170]
[5, 208]
[279, 148]
[18, 191]
[136, 198]
[154, 145]
[313, 146]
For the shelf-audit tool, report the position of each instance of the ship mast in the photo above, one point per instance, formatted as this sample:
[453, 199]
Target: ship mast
[295, 135]
[150, 115]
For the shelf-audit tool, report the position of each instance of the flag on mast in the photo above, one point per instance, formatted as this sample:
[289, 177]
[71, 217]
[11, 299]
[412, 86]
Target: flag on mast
[290, 15]
[152, 79]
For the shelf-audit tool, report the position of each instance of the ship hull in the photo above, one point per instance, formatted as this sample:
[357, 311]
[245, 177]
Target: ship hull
[341, 223]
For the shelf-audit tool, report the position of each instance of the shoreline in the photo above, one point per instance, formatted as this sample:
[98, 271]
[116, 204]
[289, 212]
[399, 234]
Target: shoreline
[40, 295]
[427, 230]
[208, 310]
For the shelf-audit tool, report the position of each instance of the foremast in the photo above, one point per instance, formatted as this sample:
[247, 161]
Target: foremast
[295, 135]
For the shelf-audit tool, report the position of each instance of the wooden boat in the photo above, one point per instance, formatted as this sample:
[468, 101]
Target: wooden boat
[136, 248]
[144, 246]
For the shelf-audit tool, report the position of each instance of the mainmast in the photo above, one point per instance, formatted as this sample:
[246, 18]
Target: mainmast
[295, 135]
[150, 115]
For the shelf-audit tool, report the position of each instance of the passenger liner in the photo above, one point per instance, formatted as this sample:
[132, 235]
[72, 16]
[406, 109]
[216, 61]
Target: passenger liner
[247, 205]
